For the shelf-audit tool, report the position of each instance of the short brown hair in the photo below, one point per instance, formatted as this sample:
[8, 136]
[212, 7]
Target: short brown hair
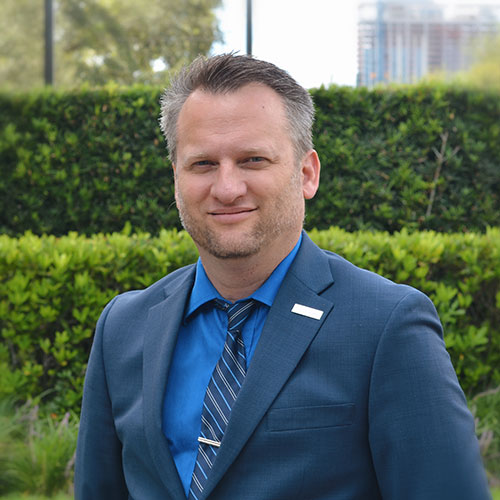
[227, 73]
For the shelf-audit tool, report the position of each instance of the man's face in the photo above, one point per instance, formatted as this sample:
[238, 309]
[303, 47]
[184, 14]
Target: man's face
[239, 188]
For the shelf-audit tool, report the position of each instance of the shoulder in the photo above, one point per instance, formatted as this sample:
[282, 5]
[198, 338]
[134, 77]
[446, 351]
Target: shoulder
[359, 297]
[348, 280]
[370, 300]
[346, 273]
[134, 304]
[378, 303]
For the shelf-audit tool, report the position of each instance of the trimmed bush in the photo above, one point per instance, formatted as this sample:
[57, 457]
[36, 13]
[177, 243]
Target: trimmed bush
[53, 290]
[415, 157]
[90, 161]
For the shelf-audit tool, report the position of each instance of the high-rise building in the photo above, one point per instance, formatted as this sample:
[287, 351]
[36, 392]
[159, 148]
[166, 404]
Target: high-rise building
[401, 41]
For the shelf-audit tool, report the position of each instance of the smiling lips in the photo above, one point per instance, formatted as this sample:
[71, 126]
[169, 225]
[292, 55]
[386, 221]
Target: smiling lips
[231, 214]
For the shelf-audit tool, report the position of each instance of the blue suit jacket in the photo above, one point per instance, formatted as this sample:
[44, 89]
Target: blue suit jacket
[361, 404]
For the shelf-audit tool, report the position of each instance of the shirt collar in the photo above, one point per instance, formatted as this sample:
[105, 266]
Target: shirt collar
[203, 291]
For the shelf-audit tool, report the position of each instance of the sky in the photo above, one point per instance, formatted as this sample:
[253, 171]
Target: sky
[314, 40]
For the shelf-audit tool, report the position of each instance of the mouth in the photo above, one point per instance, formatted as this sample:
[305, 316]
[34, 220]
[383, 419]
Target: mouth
[231, 210]
[231, 214]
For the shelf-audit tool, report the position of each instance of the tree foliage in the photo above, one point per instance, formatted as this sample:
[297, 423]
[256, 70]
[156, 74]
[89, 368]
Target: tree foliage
[96, 41]
[21, 44]
[485, 72]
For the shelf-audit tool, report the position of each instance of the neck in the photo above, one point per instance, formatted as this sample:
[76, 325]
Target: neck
[238, 278]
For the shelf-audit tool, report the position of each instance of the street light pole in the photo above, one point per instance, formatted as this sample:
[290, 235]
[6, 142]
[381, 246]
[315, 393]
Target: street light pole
[249, 27]
[49, 43]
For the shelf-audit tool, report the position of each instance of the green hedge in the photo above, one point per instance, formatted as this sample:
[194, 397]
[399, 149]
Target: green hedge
[87, 161]
[53, 290]
[416, 157]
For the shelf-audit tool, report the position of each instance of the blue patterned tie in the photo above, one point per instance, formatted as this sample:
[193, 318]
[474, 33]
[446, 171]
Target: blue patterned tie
[221, 394]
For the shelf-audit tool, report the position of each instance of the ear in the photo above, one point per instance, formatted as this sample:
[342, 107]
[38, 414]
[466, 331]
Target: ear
[310, 169]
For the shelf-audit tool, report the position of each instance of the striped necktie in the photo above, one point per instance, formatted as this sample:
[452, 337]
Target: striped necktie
[221, 394]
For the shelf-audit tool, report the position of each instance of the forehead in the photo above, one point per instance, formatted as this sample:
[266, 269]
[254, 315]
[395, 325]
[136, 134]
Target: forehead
[253, 100]
[253, 113]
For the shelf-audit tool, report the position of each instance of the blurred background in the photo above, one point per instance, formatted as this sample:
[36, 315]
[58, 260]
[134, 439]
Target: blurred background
[71, 42]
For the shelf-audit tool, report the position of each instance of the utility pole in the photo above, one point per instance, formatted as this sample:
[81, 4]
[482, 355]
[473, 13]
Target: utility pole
[249, 27]
[49, 43]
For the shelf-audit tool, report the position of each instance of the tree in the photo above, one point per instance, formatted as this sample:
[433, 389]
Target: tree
[21, 43]
[485, 72]
[96, 41]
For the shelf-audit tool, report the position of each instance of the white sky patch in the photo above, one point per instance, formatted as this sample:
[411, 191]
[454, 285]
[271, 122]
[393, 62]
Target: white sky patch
[314, 40]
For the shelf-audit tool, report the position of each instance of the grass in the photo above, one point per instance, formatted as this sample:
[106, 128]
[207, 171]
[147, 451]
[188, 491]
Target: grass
[36, 453]
[21, 496]
[486, 410]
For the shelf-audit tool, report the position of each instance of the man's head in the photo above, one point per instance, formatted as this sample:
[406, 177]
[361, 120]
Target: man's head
[228, 73]
[241, 174]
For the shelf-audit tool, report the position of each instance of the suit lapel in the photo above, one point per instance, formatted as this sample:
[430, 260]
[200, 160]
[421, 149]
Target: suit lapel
[284, 340]
[161, 328]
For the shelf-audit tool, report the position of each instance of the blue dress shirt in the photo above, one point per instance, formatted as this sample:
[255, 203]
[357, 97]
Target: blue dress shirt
[199, 346]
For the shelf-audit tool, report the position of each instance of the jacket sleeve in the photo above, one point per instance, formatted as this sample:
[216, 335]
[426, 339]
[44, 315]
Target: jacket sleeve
[98, 468]
[421, 432]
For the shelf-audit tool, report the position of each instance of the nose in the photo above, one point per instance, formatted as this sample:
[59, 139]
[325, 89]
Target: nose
[228, 184]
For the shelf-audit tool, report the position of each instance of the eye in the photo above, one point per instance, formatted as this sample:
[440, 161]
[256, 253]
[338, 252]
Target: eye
[254, 161]
[201, 166]
[203, 163]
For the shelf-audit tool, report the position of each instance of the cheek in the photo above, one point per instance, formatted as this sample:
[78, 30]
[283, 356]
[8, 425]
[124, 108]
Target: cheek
[176, 193]
[190, 191]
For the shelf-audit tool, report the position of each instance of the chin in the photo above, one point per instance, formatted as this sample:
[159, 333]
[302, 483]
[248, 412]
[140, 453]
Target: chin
[228, 251]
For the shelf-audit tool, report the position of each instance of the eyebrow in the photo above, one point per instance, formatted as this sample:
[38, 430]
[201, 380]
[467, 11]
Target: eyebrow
[196, 156]
[262, 151]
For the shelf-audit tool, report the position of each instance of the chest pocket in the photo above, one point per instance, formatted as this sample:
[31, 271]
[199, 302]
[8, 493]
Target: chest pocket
[310, 417]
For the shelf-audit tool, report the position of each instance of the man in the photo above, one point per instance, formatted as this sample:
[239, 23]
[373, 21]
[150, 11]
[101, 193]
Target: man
[270, 369]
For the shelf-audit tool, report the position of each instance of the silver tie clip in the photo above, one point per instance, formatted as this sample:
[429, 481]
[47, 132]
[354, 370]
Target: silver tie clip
[208, 441]
[310, 312]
